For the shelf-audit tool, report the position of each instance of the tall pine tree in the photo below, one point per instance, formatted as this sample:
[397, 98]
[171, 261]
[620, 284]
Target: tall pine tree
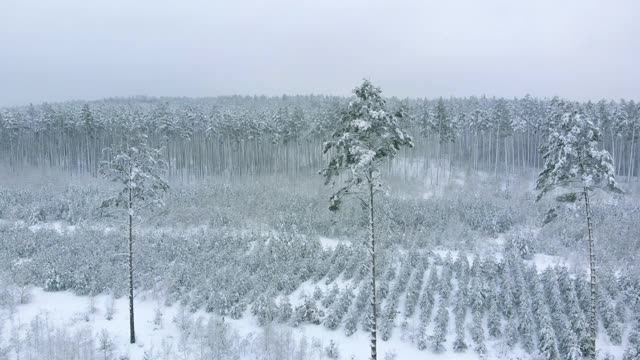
[367, 136]
[574, 161]
[139, 170]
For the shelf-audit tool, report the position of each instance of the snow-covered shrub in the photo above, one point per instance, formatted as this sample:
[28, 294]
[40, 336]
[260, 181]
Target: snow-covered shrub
[489, 216]
[106, 344]
[317, 293]
[285, 310]
[109, 307]
[632, 350]
[440, 332]
[332, 351]
[264, 309]
[307, 312]
[522, 242]
[390, 355]
[339, 309]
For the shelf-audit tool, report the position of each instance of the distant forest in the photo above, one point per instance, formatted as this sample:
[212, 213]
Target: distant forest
[247, 136]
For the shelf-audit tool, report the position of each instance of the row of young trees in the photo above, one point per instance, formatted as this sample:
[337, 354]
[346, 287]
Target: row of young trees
[253, 135]
[466, 285]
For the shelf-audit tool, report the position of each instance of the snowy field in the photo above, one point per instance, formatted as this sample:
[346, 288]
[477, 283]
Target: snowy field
[172, 333]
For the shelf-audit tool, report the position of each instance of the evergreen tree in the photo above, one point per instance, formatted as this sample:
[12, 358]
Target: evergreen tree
[632, 352]
[460, 312]
[507, 299]
[441, 328]
[511, 333]
[351, 324]
[477, 333]
[526, 326]
[340, 308]
[459, 345]
[367, 136]
[494, 320]
[264, 309]
[547, 344]
[574, 354]
[307, 312]
[578, 322]
[137, 167]
[317, 293]
[476, 296]
[387, 322]
[426, 308]
[583, 294]
[332, 351]
[573, 159]
[565, 285]
[609, 319]
[444, 285]
[414, 289]
[620, 310]
[285, 310]
[462, 270]
[522, 244]
[426, 305]
[331, 296]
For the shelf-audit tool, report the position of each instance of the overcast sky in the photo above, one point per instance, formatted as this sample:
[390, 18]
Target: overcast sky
[88, 49]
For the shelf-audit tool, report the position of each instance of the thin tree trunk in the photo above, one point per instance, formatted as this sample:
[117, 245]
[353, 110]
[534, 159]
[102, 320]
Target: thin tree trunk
[372, 244]
[439, 162]
[592, 267]
[630, 169]
[613, 152]
[132, 340]
[495, 169]
[506, 158]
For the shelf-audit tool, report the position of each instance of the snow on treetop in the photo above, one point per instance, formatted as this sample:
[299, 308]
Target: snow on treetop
[361, 124]
[572, 154]
[366, 135]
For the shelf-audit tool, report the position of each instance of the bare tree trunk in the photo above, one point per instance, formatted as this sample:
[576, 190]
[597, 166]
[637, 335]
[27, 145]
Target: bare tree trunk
[372, 244]
[439, 162]
[592, 267]
[630, 169]
[613, 152]
[132, 331]
[495, 169]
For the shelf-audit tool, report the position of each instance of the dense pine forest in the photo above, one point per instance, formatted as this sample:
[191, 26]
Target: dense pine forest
[249, 136]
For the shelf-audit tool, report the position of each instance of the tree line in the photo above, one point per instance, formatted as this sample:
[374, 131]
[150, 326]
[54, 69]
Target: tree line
[247, 136]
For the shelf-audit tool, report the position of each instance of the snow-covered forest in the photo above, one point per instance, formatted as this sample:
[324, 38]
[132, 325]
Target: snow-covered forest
[251, 136]
[210, 215]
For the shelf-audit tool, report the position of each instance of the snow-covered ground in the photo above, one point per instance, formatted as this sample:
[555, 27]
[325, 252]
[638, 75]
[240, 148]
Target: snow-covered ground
[330, 243]
[161, 329]
[64, 310]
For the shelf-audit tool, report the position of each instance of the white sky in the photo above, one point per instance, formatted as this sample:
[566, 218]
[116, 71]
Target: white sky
[87, 49]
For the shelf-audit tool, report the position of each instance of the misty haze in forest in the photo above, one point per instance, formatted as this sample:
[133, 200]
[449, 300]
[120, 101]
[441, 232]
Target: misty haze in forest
[302, 180]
